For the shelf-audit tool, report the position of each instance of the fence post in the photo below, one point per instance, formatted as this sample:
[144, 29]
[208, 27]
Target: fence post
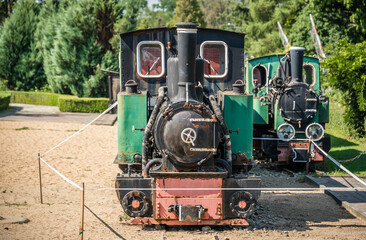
[40, 177]
[81, 230]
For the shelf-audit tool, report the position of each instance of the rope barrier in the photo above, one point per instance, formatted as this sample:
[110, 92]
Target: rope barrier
[201, 189]
[61, 175]
[232, 189]
[338, 164]
[87, 125]
[285, 140]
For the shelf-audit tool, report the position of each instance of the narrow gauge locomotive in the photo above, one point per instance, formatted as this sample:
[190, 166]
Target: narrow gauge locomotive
[184, 128]
[288, 105]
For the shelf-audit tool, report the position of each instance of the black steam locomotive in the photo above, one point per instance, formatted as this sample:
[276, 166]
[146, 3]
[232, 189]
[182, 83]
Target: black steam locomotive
[184, 128]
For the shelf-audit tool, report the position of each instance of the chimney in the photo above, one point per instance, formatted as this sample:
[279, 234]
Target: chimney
[297, 54]
[187, 41]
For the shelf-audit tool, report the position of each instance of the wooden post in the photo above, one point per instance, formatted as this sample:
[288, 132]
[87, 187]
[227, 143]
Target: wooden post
[81, 230]
[40, 177]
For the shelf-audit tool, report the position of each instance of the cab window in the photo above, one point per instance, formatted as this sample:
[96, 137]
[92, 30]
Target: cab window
[215, 55]
[308, 72]
[259, 76]
[150, 59]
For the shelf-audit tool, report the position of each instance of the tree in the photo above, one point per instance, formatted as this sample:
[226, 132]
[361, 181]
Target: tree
[6, 8]
[346, 66]
[188, 11]
[160, 16]
[218, 14]
[75, 51]
[131, 12]
[18, 55]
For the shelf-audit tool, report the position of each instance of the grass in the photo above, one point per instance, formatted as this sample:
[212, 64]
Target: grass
[344, 147]
[16, 204]
[23, 128]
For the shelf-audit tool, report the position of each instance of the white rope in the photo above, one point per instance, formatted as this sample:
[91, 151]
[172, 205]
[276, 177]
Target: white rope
[58, 173]
[236, 189]
[285, 140]
[338, 164]
[87, 125]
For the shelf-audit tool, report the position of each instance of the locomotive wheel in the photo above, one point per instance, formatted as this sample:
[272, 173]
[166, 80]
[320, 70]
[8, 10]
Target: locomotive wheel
[242, 204]
[135, 204]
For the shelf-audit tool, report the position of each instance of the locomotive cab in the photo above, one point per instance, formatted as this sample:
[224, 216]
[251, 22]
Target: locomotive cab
[184, 159]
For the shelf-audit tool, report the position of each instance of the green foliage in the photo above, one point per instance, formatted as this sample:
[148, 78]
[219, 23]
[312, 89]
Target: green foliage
[188, 11]
[328, 23]
[37, 98]
[160, 16]
[350, 15]
[18, 54]
[344, 147]
[219, 14]
[107, 13]
[75, 52]
[4, 85]
[6, 8]
[66, 103]
[259, 20]
[347, 73]
[4, 100]
[74, 104]
[131, 11]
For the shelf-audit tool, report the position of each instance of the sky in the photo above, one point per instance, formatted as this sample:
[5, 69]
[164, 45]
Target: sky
[151, 2]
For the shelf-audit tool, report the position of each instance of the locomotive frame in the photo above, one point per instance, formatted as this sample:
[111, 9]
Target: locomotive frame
[185, 135]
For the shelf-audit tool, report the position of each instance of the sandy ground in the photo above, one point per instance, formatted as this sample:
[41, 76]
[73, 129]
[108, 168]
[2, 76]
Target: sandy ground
[88, 158]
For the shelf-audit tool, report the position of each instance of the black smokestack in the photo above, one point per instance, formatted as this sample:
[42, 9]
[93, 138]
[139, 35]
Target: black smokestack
[187, 40]
[297, 54]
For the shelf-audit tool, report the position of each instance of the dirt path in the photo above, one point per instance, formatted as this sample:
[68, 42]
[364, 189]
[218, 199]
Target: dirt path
[88, 158]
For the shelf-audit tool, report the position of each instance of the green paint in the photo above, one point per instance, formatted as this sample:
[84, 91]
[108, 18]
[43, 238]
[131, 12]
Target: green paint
[272, 63]
[238, 114]
[324, 111]
[132, 111]
[260, 112]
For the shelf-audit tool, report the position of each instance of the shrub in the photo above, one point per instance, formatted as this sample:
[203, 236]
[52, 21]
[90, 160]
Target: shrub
[87, 105]
[347, 73]
[4, 100]
[37, 98]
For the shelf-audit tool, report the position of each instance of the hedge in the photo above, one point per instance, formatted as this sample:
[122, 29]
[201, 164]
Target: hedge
[37, 98]
[4, 100]
[66, 103]
[87, 105]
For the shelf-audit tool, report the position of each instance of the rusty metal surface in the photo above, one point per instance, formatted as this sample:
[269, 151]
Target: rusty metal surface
[189, 184]
[283, 157]
[213, 206]
[150, 221]
[210, 200]
[158, 174]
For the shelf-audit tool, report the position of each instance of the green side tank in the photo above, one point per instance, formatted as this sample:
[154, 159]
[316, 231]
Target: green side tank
[132, 113]
[237, 110]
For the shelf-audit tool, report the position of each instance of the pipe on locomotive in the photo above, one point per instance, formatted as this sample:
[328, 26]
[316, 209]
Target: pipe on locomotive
[187, 40]
[220, 118]
[297, 54]
[149, 125]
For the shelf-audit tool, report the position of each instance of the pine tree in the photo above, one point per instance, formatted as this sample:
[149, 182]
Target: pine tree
[18, 55]
[75, 52]
[188, 11]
